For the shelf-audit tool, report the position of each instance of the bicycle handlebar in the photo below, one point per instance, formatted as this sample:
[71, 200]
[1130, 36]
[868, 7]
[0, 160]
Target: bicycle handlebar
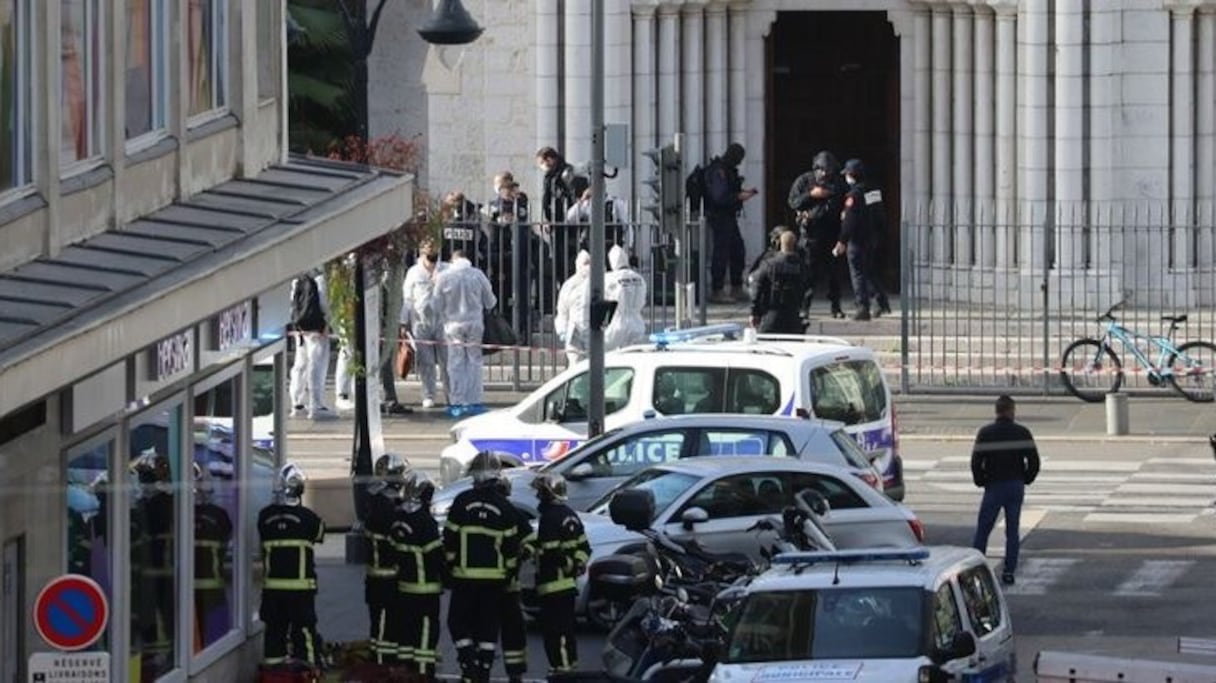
[1110, 312]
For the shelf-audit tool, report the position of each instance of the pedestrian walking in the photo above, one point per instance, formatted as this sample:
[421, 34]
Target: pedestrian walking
[1004, 461]
[462, 297]
[724, 198]
[380, 582]
[818, 196]
[562, 555]
[781, 284]
[309, 321]
[482, 545]
[421, 574]
[420, 315]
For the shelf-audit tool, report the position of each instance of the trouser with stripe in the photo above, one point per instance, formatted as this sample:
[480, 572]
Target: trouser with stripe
[290, 615]
[557, 628]
[415, 629]
[514, 637]
[474, 624]
[380, 593]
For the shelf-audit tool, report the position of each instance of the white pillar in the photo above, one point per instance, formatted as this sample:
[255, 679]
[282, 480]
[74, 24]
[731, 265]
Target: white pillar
[963, 161]
[693, 41]
[618, 84]
[1105, 114]
[715, 84]
[942, 197]
[1035, 160]
[1205, 133]
[645, 98]
[548, 57]
[1182, 133]
[1069, 135]
[577, 146]
[922, 144]
[669, 77]
[1006, 133]
[985, 106]
[738, 74]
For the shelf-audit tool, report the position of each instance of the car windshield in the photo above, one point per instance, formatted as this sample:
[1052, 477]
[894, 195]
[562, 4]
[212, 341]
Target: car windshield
[666, 485]
[850, 450]
[838, 623]
[849, 391]
[561, 463]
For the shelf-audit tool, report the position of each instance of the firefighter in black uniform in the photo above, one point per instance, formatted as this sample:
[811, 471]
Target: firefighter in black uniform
[511, 610]
[562, 554]
[212, 536]
[152, 532]
[421, 574]
[861, 221]
[288, 530]
[481, 543]
[817, 196]
[380, 582]
[780, 290]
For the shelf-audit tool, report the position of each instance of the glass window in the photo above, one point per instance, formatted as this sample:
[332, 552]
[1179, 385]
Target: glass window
[753, 392]
[946, 620]
[849, 449]
[215, 471]
[847, 623]
[840, 495]
[850, 392]
[147, 59]
[15, 93]
[743, 495]
[88, 494]
[81, 80]
[637, 453]
[742, 442]
[270, 27]
[206, 33]
[688, 390]
[267, 388]
[666, 485]
[568, 403]
[154, 479]
[980, 598]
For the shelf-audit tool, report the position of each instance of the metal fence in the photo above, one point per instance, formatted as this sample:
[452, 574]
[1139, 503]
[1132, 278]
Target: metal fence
[991, 296]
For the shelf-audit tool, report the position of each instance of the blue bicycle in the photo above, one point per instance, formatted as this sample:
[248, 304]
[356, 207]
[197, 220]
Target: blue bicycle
[1090, 368]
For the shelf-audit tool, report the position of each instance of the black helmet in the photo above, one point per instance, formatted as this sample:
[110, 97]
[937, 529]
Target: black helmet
[485, 468]
[826, 161]
[550, 487]
[290, 484]
[389, 471]
[416, 490]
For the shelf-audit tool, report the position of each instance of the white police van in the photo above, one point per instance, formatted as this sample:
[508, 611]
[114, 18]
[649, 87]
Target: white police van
[713, 369]
[880, 615]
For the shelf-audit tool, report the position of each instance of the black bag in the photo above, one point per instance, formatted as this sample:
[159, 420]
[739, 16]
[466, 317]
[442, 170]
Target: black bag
[306, 313]
[694, 188]
[496, 334]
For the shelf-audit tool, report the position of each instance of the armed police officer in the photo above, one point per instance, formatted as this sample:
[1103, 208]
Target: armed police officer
[781, 286]
[288, 530]
[862, 223]
[563, 552]
[380, 582]
[421, 573]
[481, 542]
[817, 196]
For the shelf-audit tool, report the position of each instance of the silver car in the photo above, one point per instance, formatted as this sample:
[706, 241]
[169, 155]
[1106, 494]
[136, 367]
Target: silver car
[595, 467]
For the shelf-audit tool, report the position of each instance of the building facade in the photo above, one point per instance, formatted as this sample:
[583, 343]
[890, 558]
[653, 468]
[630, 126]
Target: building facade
[151, 222]
[1013, 136]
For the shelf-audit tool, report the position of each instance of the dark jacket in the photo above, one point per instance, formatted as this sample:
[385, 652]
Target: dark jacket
[722, 187]
[212, 533]
[563, 548]
[818, 218]
[863, 219]
[559, 194]
[421, 569]
[481, 537]
[1004, 450]
[381, 512]
[288, 533]
[779, 286]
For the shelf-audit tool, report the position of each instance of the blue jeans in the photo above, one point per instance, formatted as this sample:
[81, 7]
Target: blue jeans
[859, 271]
[1007, 495]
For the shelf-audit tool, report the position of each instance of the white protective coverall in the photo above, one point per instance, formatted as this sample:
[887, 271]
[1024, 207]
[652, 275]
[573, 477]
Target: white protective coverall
[419, 314]
[462, 296]
[570, 321]
[627, 287]
[306, 380]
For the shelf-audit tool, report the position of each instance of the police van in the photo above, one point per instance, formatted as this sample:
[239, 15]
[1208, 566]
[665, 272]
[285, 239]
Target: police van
[713, 369]
[881, 615]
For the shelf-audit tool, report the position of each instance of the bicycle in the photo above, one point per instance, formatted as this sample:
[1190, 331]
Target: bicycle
[1186, 369]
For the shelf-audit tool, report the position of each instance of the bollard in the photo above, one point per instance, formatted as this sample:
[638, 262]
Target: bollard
[1116, 414]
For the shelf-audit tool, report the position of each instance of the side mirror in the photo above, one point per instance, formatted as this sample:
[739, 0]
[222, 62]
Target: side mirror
[693, 517]
[580, 471]
[632, 509]
[962, 645]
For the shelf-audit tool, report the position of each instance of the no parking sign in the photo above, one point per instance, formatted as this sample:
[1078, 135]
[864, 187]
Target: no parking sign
[71, 612]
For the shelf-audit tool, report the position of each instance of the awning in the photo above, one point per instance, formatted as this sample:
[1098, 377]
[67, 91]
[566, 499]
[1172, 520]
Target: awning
[102, 299]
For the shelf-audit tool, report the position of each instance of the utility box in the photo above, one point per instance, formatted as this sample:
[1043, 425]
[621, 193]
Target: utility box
[1068, 667]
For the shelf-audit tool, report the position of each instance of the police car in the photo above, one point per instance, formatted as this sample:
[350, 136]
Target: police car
[880, 614]
[713, 369]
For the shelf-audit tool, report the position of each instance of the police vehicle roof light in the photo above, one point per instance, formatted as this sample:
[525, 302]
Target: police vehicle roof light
[851, 556]
[668, 337]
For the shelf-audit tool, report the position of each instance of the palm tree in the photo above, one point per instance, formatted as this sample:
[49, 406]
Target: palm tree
[321, 77]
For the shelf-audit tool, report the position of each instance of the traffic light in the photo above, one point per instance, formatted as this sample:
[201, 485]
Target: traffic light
[666, 183]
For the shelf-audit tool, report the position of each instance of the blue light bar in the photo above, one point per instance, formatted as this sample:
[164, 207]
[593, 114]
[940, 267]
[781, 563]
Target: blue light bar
[663, 339]
[850, 556]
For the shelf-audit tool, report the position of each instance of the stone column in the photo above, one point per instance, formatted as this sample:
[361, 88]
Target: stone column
[693, 41]
[548, 57]
[922, 144]
[738, 73]
[1182, 130]
[618, 84]
[1006, 132]
[1205, 135]
[1104, 111]
[669, 63]
[1069, 155]
[715, 85]
[963, 161]
[1034, 163]
[645, 98]
[942, 195]
[577, 146]
[984, 114]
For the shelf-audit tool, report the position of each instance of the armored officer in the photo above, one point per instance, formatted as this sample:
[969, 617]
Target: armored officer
[421, 573]
[781, 287]
[562, 554]
[288, 530]
[481, 542]
[817, 196]
[861, 221]
[212, 535]
[380, 582]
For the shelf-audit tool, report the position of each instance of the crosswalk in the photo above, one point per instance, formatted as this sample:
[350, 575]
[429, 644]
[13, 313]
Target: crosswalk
[1152, 491]
[1076, 576]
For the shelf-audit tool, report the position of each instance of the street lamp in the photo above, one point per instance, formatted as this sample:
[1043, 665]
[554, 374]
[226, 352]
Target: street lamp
[450, 24]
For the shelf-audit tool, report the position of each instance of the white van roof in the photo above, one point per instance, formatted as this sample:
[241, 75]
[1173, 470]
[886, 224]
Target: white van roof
[921, 566]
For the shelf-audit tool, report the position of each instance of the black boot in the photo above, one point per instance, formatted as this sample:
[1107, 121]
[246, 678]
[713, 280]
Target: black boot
[861, 314]
[836, 312]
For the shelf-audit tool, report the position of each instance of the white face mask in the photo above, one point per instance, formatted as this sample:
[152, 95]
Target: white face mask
[850, 180]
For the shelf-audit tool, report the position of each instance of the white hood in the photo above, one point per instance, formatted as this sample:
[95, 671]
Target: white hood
[618, 257]
[582, 263]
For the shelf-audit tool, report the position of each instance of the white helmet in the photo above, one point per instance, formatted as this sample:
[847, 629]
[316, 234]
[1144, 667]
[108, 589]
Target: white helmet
[290, 485]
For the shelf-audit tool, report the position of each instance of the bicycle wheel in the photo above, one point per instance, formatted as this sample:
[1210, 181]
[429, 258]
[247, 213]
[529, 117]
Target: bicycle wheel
[1194, 371]
[1090, 370]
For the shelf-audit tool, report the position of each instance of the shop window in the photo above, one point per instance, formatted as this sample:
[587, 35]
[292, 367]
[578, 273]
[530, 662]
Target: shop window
[16, 93]
[215, 471]
[267, 388]
[88, 503]
[81, 80]
[206, 33]
[146, 88]
[154, 477]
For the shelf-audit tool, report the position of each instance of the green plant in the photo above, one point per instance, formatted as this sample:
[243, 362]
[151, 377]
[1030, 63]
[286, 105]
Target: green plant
[320, 76]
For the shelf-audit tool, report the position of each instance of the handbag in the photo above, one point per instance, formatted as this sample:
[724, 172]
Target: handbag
[496, 333]
[405, 355]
